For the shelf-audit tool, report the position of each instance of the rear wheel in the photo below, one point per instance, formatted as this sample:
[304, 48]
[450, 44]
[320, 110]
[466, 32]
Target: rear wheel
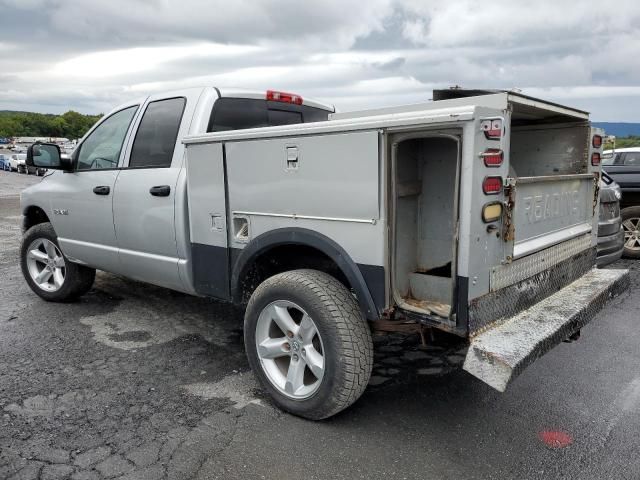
[47, 271]
[631, 226]
[308, 343]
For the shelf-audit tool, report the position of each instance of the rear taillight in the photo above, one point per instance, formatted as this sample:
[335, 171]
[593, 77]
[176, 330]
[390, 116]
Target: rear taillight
[492, 128]
[595, 159]
[597, 141]
[284, 97]
[492, 157]
[492, 185]
[491, 212]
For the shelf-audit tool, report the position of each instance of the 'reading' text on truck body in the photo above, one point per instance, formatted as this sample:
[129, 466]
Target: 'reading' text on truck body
[475, 214]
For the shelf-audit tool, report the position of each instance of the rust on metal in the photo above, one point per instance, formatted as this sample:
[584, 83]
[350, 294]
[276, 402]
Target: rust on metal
[441, 309]
[402, 326]
[596, 190]
[508, 233]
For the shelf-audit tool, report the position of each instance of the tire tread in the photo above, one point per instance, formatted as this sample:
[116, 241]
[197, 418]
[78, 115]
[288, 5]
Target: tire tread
[352, 334]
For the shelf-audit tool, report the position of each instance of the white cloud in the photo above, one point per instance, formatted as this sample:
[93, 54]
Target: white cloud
[90, 54]
[126, 61]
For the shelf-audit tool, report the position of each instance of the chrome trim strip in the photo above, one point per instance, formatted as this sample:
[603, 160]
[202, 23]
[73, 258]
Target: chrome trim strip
[295, 216]
[538, 243]
[552, 178]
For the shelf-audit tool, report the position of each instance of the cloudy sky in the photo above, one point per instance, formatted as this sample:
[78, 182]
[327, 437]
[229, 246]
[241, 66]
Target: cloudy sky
[90, 55]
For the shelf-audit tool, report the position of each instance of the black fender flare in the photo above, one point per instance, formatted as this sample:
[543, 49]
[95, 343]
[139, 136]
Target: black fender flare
[302, 236]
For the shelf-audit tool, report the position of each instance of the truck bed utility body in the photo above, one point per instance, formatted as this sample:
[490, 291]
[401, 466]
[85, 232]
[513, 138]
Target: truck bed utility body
[475, 214]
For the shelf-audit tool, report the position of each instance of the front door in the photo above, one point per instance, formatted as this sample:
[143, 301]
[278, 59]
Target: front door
[82, 202]
[145, 191]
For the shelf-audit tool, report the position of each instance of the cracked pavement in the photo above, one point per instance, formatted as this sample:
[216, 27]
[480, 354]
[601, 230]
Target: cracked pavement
[138, 382]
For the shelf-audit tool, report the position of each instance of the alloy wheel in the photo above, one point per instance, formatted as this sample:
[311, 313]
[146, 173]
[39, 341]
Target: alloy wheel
[631, 228]
[46, 265]
[290, 349]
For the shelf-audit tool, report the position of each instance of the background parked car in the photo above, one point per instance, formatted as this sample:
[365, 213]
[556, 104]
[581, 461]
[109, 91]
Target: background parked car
[610, 232]
[17, 162]
[36, 170]
[623, 165]
[4, 162]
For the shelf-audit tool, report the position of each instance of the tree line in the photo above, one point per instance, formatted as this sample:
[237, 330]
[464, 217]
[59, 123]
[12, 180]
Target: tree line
[27, 124]
[624, 142]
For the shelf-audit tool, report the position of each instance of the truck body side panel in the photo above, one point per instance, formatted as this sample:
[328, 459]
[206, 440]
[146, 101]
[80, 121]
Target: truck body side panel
[326, 183]
[208, 220]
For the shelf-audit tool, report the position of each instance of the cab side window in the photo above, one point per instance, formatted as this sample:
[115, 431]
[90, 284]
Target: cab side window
[157, 134]
[631, 158]
[101, 149]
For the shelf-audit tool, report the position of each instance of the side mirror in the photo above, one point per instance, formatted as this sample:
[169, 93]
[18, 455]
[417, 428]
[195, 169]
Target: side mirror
[47, 155]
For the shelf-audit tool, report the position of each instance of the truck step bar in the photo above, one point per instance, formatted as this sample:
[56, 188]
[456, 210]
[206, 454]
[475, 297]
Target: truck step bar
[499, 354]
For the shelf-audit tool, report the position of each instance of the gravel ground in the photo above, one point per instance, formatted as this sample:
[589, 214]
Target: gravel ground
[138, 382]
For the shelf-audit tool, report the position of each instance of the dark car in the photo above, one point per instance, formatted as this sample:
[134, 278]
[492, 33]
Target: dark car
[611, 236]
[623, 165]
[39, 171]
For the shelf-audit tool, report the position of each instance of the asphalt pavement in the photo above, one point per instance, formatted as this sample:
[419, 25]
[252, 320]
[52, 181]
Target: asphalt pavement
[136, 381]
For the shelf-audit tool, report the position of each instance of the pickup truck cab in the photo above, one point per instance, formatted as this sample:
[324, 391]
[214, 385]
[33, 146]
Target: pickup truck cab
[475, 214]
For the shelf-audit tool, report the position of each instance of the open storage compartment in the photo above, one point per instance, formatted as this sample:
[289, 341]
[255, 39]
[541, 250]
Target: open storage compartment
[425, 179]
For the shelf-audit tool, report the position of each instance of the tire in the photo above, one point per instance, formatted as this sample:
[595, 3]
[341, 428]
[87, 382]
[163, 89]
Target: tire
[342, 338]
[65, 280]
[631, 226]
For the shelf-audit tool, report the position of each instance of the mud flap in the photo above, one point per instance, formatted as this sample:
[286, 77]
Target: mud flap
[500, 353]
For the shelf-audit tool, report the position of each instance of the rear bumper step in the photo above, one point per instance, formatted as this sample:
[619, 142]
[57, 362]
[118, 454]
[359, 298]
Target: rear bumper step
[499, 354]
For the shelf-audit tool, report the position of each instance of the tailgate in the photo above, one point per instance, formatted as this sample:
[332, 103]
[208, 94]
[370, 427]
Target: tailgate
[547, 210]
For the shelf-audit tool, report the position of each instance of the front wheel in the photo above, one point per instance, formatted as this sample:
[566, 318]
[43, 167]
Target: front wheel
[47, 271]
[308, 343]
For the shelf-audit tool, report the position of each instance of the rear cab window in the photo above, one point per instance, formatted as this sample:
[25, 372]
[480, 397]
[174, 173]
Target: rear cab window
[241, 113]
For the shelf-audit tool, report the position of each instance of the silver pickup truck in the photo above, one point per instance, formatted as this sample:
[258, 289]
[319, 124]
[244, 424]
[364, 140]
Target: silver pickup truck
[475, 214]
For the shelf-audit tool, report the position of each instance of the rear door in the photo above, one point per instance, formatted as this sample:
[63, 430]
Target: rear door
[555, 198]
[551, 210]
[145, 190]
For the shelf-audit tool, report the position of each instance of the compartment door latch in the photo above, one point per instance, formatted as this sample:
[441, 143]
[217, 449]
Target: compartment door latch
[292, 157]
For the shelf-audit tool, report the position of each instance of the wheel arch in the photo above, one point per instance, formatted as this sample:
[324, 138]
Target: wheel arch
[275, 242]
[33, 215]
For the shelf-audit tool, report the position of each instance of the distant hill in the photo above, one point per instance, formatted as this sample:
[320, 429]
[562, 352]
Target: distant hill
[619, 129]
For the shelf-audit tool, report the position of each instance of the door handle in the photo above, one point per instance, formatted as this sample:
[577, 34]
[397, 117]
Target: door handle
[101, 190]
[160, 191]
